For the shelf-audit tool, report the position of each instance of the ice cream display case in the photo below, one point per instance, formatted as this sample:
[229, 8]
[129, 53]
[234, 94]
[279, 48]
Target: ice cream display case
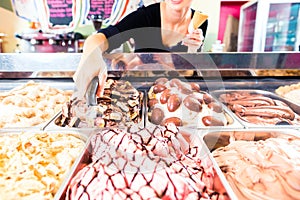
[164, 118]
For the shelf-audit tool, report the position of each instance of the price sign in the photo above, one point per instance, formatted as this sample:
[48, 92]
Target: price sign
[60, 11]
[101, 7]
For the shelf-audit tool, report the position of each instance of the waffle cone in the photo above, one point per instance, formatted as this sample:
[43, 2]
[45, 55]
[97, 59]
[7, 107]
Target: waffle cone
[198, 19]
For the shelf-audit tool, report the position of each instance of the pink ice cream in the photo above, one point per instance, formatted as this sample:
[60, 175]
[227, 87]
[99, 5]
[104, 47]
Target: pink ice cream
[152, 163]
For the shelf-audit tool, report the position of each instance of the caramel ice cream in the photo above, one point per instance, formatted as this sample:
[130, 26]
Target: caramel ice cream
[30, 104]
[33, 165]
[149, 163]
[291, 92]
[184, 104]
[264, 169]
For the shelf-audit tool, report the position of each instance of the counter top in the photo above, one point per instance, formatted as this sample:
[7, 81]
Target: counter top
[149, 61]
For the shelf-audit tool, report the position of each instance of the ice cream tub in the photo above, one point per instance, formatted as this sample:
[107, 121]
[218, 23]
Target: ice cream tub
[146, 163]
[258, 108]
[121, 105]
[258, 163]
[185, 104]
[35, 163]
[82, 160]
[26, 104]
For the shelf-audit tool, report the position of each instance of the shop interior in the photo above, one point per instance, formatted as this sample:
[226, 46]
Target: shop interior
[242, 89]
[26, 27]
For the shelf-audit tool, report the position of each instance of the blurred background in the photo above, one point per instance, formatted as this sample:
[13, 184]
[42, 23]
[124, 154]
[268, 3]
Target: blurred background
[62, 25]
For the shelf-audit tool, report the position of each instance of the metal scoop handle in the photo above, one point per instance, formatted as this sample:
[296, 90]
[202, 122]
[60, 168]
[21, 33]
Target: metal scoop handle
[91, 98]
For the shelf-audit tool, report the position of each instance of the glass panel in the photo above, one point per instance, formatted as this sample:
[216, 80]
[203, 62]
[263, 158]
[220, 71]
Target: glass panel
[281, 33]
[248, 28]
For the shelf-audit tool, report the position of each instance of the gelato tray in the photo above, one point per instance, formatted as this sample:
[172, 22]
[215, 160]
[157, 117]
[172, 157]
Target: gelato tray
[185, 104]
[291, 92]
[258, 164]
[146, 163]
[160, 102]
[30, 104]
[120, 105]
[259, 108]
[34, 164]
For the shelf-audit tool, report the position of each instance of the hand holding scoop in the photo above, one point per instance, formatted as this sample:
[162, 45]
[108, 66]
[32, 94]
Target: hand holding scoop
[89, 67]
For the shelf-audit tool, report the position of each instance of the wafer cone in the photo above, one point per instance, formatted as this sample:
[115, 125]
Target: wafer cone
[198, 19]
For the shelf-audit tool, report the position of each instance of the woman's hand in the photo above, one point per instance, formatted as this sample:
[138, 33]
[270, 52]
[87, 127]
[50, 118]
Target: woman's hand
[193, 40]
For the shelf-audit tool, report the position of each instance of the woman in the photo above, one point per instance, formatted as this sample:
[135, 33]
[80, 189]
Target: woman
[160, 27]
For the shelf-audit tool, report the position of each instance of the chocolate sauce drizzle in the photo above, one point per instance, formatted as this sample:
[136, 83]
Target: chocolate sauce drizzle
[132, 164]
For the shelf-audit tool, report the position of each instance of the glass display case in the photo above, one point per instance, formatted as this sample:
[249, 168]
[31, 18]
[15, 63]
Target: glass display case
[269, 25]
[266, 81]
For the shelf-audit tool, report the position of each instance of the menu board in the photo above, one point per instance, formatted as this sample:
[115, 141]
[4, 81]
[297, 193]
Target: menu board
[101, 7]
[60, 11]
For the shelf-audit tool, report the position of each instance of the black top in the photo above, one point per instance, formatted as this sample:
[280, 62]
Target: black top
[143, 26]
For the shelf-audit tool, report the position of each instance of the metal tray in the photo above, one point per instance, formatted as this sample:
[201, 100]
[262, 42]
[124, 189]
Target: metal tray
[204, 156]
[218, 139]
[82, 135]
[232, 122]
[7, 86]
[55, 121]
[80, 162]
[285, 91]
[293, 106]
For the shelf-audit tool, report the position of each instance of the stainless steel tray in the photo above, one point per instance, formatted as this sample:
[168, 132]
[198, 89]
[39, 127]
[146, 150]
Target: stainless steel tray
[81, 135]
[13, 89]
[293, 106]
[219, 139]
[83, 158]
[55, 121]
[204, 156]
[231, 120]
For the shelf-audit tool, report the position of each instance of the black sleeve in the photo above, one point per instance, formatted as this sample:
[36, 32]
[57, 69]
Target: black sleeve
[204, 27]
[126, 28]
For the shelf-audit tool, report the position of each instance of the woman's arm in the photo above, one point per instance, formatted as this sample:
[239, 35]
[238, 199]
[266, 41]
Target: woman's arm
[91, 64]
[94, 41]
